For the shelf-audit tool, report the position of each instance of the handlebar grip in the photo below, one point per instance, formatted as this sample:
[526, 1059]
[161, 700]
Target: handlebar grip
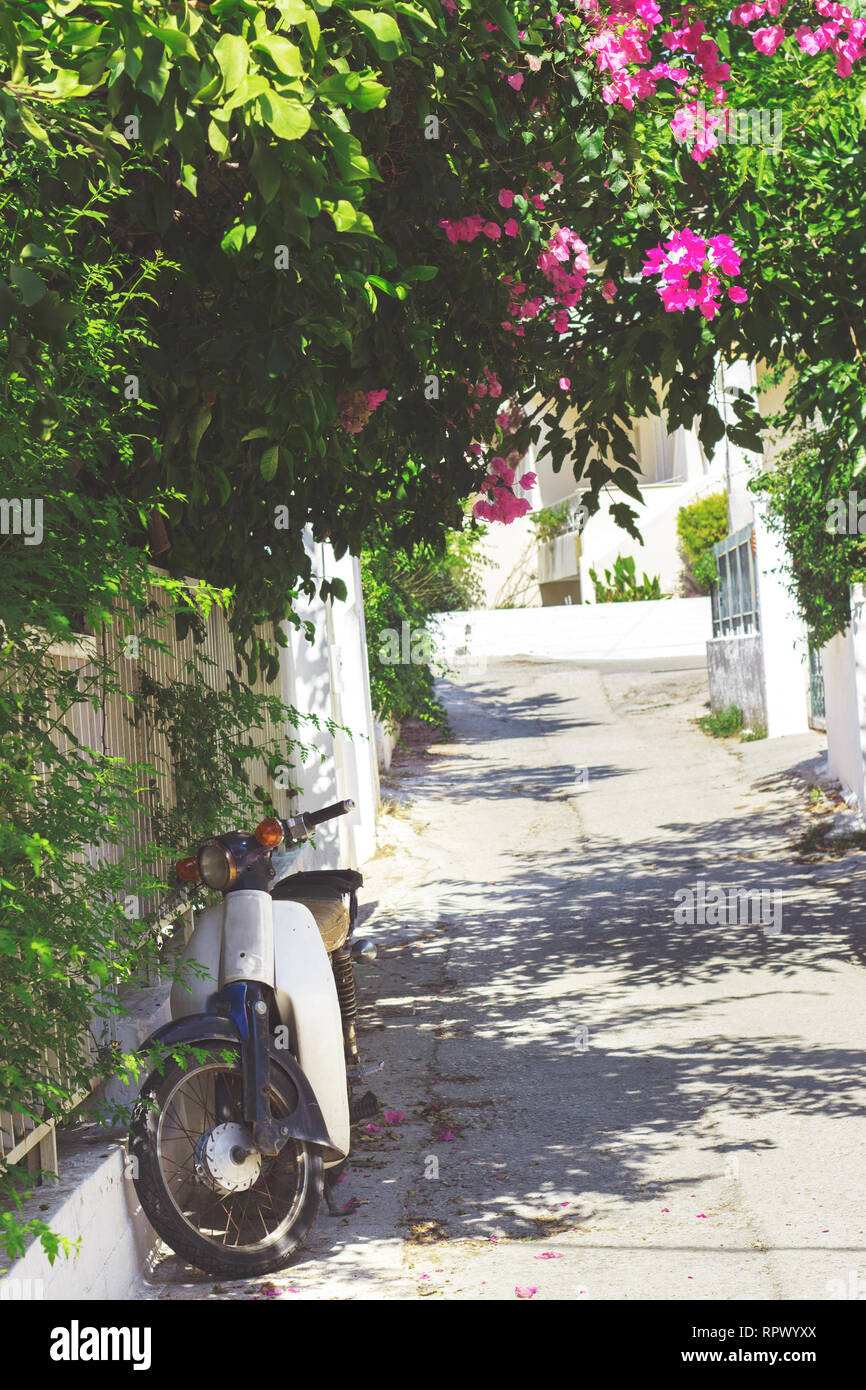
[339, 808]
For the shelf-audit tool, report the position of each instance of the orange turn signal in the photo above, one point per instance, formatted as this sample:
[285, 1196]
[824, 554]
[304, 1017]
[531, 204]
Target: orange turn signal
[187, 869]
[269, 832]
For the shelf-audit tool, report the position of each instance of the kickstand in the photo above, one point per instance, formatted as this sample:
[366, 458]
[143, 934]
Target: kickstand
[332, 1177]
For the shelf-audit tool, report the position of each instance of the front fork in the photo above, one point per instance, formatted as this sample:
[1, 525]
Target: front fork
[246, 1003]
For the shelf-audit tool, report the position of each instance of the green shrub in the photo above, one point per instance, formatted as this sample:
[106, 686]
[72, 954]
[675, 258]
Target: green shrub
[621, 586]
[700, 526]
[724, 724]
[807, 485]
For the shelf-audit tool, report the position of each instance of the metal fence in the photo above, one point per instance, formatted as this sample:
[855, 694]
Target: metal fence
[108, 730]
[735, 595]
[817, 699]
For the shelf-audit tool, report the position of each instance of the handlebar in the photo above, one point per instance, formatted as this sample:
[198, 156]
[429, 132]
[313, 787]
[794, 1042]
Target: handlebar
[299, 827]
[339, 808]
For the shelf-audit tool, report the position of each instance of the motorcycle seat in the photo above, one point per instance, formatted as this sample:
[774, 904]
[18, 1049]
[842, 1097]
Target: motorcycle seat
[319, 883]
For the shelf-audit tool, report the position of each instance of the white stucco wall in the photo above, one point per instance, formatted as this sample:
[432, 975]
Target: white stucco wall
[328, 677]
[584, 632]
[786, 661]
[844, 663]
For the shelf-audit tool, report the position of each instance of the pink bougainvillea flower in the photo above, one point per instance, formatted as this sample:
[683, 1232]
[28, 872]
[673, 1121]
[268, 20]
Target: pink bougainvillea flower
[527, 481]
[687, 265]
[511, 228]
[394, 1117]
[768, 40]
[375, 398]
[737, 294]
[492, 230]
[525, 1291]
[564, 383]
[608, 290]
[516, 81]
[506, 197]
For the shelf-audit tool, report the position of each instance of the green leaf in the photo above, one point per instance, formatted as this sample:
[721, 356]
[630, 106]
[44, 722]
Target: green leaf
[591, 142]
[200, 422]
[32, 126]
[239, 235]
[32, 286]
[293, 11]
[288, 119]
[382, 30]
[233, 56]
[286, 56]
[396, 291]
[247, 90]
[266, 170]
[189, 178]
[216, 139]
[364, 93]
[177, 43]
[344, 213]
[269, 460]
[506, 20]
[420, 272]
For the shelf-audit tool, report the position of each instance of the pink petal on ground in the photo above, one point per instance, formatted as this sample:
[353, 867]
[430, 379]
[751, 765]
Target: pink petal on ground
[372, 1129]
[548, 1255]
[524, 1291]
[394, 1117]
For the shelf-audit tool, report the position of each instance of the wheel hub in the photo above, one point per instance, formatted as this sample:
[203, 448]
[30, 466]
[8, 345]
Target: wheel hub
[223, 1161]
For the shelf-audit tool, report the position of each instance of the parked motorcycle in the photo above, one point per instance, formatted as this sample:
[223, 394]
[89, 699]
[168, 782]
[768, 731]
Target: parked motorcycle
[237, 1130]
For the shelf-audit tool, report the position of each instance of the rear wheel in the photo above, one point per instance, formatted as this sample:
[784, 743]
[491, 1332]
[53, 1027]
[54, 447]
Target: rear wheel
[210, 1195]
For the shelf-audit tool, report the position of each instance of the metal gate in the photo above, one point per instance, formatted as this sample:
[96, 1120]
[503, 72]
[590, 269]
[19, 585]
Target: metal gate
[817, 705]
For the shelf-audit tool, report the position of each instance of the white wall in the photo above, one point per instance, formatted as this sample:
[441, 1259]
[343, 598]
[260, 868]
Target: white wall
[587, 632]
[786, 657]
[844, 663]
[328, 677]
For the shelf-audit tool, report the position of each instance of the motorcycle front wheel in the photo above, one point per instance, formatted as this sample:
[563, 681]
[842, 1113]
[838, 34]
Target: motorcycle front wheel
[224, 1209]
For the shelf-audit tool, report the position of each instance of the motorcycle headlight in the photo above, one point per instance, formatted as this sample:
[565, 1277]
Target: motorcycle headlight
[216, 865]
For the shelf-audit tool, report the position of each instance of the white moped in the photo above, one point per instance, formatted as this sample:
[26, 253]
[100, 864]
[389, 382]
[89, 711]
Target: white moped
[249, 1105]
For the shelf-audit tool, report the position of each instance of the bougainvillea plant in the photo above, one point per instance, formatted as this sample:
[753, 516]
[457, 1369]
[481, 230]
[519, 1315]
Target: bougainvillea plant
[355, 205]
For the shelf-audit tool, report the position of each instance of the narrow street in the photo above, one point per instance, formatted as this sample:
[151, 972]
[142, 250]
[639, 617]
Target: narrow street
[597, 1102]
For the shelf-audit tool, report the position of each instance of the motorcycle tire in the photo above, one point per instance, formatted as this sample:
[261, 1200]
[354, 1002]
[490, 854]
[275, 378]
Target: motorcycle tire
[171, 1193]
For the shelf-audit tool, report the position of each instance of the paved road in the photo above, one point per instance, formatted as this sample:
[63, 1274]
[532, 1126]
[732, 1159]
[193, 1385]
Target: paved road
[598, 1102]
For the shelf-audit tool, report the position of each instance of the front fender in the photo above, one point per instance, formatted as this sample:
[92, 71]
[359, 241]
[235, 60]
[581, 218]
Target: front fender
[305, 1122]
